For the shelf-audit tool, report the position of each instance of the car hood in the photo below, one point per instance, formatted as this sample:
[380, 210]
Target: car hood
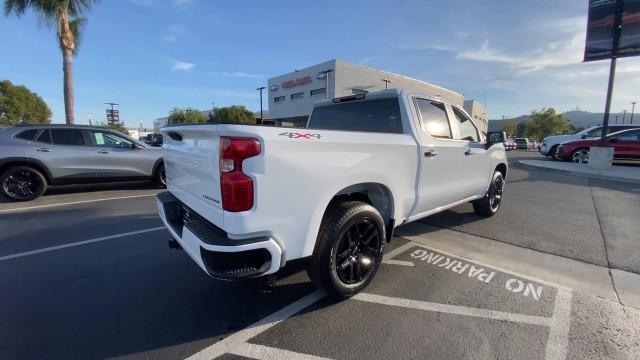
[560, 138]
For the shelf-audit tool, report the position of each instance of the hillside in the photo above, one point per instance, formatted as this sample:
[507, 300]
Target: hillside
[578, 119]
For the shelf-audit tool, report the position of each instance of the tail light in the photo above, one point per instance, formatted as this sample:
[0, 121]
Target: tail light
[236, 187]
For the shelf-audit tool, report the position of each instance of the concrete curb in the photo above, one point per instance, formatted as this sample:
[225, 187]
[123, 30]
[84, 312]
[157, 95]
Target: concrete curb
[579, 173]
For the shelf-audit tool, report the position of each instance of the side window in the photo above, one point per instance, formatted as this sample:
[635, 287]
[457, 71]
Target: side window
[466, 128]
[597, 132]
[67, 137]
[110, 140]
[27, 134]
[629, 135]
[434, 118]
[44, 137]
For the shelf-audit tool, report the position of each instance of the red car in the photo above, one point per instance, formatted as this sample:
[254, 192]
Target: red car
[626, 146]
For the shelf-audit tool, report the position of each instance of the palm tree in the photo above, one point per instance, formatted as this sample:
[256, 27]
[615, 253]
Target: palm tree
[66, 17]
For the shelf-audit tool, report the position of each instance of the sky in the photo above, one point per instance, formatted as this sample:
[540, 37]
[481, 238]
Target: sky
[152, 55]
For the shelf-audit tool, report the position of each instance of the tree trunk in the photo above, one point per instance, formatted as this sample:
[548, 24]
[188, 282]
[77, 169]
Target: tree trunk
[67, 69]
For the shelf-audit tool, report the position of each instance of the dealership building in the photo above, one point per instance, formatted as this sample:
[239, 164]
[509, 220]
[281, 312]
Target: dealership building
[292, 96]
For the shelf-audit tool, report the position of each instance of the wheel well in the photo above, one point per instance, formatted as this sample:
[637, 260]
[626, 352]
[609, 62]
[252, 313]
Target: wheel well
[36, 166]
[503, 170]
[374, 194]
[156, 166]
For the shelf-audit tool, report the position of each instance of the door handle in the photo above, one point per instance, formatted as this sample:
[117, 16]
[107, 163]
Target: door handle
[102, 152]
[43, 150]
[430, 153]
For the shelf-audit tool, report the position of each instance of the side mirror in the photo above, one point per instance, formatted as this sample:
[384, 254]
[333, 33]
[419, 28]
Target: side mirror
[613, 140]
[495, 137]
[584, 136]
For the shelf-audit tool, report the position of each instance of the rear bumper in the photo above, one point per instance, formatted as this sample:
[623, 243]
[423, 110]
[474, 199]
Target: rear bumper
[211, 248]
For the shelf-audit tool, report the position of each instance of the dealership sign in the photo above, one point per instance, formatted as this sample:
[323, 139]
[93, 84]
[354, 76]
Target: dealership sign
[600, 29]
[296, 82]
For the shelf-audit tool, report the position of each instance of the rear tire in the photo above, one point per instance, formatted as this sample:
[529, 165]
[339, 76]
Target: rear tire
[348, 250]
[160, 177]
[22, 183]
[492, 200]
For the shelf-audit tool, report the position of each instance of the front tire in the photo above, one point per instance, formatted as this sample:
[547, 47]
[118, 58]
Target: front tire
[552, 152]
[348, 250]
[492, 200]
[22, 183]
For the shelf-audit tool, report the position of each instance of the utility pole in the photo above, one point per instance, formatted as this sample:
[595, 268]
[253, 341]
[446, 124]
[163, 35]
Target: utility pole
[617, 119]
[260, 89]
[503, 117]
[633, 107]
[386, 83]
[113, 115]
[624, 115]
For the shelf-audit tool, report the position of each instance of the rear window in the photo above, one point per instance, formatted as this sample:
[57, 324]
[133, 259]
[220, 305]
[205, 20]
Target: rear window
[378, 115]
[27, 134]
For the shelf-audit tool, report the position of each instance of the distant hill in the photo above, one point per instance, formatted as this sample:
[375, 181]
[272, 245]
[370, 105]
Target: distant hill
[577, 118]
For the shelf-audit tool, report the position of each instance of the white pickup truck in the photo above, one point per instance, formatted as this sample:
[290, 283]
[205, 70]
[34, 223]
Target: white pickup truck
[242, 201]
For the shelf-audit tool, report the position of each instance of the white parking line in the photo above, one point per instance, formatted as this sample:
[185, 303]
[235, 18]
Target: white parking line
[453, 309]
[239, 339]
[91, 241]
[262, 352]
[559, 333]
[72, 203]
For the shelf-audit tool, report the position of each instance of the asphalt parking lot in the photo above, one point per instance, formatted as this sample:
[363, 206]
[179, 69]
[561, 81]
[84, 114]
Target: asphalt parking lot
[88, 275]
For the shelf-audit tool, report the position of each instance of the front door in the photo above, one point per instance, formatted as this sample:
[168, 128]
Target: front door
[118, 157]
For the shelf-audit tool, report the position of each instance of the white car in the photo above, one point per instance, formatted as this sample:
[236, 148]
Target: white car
[550, 143]
[244, 200]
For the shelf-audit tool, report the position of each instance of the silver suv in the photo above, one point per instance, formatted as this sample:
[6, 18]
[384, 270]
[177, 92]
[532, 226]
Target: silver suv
[33, 157]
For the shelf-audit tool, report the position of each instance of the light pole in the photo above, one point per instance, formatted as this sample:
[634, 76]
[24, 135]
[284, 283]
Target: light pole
[624, 115]
[617, 118]
[260, 89]
[633, 107]
[386, 83]
[325, 75]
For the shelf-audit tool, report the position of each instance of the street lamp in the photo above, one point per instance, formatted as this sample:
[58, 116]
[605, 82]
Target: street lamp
[624, 115]
[386, 83]
[633, 107]
[260, 89]
[325, 75]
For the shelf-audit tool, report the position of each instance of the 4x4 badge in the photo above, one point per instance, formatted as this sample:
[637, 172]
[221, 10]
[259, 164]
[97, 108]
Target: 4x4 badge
[292, 135]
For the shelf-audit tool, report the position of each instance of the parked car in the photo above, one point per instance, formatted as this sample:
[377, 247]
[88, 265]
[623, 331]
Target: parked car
[509, 145]
[550, 143]
[35, 156]
[522, 143]
[153, 139]
[626, 145]
[243, 201]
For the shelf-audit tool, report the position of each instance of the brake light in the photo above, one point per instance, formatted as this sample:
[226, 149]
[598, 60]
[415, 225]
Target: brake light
[236, 187]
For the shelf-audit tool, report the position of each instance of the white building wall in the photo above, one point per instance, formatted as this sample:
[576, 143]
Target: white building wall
[343, 79]
[479, 114]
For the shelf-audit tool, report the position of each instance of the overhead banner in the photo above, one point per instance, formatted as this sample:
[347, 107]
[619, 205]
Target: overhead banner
[600, 32]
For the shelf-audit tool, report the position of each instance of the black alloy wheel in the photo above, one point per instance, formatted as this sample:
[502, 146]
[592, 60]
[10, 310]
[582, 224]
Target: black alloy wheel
[357, 251]
[22, 183]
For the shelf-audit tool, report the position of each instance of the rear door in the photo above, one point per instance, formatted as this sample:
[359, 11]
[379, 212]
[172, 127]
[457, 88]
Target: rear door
[118, 157]
[627, 147]
[66, 152]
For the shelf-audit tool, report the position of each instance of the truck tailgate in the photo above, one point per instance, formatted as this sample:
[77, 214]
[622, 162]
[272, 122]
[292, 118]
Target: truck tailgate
[193, 170]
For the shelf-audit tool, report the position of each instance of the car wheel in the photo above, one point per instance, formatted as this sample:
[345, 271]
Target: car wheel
[552, 152]
[580, 156]
[160, 177]
[492, 200]
[22, 183]
[348, 249]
